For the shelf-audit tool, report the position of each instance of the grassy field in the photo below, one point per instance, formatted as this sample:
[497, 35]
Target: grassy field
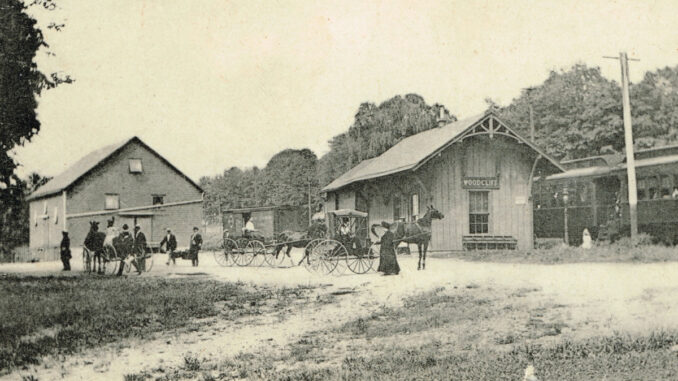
[459, 334]
[59, 315]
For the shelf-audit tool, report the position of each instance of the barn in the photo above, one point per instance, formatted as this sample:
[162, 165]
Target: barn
[128, 180]
[477, 171]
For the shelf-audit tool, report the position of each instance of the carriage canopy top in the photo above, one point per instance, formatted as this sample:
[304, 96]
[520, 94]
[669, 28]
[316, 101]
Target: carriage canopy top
[348, 213]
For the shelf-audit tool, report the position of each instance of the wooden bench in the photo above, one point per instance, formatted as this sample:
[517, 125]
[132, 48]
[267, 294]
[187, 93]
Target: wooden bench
[489, 242]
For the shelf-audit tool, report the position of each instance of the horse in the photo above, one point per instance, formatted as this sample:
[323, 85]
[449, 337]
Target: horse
[418, 232]
[299, 240]
[94, 242]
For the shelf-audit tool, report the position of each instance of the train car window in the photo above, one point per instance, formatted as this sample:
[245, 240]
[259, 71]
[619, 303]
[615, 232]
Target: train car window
[666, 186]
[582, 193]
[640, 186]
[652, 188]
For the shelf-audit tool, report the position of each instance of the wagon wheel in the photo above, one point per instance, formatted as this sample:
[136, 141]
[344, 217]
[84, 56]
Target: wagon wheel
[326, 255]
[373, 256]
[278, 261]
[143, 260]
[111, 260]
[258, 251]
[242, 243]
[242, 256]
[360, 262]
[225, 256]
[87, 257]
[305, 260]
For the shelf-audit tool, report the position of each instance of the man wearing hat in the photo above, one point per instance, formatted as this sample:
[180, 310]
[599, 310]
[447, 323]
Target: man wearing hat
[66, 251]
[171, 244]
[196, 244]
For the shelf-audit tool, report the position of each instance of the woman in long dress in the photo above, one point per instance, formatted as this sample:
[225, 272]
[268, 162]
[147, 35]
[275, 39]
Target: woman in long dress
[388, 263]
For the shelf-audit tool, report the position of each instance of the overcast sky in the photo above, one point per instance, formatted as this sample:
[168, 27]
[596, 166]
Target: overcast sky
[215, 84]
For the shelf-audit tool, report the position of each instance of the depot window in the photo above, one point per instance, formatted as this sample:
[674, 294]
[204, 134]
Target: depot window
[479, 212]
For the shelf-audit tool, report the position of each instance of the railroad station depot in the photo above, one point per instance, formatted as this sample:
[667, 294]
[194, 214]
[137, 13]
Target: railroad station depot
[477, 171]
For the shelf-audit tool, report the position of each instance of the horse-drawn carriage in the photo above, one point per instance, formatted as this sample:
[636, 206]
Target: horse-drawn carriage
[346, 246]
[253, 248]
[110, 251]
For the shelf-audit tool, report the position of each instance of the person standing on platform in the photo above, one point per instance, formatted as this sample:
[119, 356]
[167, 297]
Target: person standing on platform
[196, 244]
[66, 251]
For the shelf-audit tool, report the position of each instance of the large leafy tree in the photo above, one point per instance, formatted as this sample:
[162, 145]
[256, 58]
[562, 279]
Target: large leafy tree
[654, 108]
[376, 129]
[576, 112]
[20, 83]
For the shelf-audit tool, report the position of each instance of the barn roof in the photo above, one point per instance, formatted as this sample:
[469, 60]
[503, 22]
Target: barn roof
[414, 151]
[88, 163]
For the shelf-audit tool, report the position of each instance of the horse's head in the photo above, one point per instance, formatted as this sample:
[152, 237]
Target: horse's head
[110, 222]
[93, 226]
[434, 214]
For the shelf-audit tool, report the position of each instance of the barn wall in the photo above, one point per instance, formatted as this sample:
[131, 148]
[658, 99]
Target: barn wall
[135, 189]
[44, 233]
[180, 218]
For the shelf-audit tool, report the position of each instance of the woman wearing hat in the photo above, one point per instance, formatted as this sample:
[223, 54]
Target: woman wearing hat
[388, 263]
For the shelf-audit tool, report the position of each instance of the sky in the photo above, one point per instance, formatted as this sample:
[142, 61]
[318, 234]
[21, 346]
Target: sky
[212, 84]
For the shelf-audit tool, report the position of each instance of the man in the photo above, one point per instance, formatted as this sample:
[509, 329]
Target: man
[124, 243]
[66, 251]
[171, 244]
[249, 227]
[348, 236]
[196, 244]
[139, 247]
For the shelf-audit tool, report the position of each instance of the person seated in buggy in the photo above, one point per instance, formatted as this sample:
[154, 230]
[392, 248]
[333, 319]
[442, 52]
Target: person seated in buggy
[248, 230]
[348, 237]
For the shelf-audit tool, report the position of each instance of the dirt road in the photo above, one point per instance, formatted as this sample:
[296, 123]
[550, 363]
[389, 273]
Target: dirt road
[600, 298]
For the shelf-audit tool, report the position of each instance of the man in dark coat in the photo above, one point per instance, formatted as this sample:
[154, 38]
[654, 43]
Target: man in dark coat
[196, 244]
[388, 263]
[66, 251]
[123, 244]
[139, 248]
[170, 242]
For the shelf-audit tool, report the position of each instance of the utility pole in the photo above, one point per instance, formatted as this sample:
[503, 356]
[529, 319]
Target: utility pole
[628, 142]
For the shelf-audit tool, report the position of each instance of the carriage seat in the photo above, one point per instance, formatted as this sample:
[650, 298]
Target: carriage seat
[489, 242]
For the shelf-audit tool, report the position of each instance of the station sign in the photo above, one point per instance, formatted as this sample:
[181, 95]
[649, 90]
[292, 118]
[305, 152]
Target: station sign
[480, 183]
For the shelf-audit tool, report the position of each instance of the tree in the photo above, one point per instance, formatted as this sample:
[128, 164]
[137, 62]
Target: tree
[287, 177]
[376, 129]
[576, 113]
[20, 82]
[654, 108]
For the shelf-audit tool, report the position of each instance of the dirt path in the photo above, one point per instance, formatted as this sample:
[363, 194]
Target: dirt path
[607, 297]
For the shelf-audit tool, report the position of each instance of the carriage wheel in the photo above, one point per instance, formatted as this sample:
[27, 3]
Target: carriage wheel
[360, 262]
[87, 256]
[326, 255]
[110, 260]
[305, 260]
[242, 256]
[258, 252]
[143, 260]
[242, 243]
[225, 257]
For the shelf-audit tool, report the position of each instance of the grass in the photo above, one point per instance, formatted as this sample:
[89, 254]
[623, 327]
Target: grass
[42, 316]
[452, 334]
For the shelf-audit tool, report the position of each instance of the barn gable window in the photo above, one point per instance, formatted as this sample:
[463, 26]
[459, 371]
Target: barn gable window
[135, 166]
[158, 199]
[479, 212]
[112, 201]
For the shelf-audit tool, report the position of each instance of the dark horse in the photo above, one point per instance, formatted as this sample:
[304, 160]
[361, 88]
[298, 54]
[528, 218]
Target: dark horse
[292, 239]
[94, 242]
[418, 232]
